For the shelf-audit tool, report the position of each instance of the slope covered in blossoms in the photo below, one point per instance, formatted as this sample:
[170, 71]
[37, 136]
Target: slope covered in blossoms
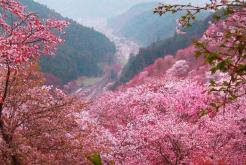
[147, 56]
[179, 111]
[83, 52]
[168, 115]
[164, 121]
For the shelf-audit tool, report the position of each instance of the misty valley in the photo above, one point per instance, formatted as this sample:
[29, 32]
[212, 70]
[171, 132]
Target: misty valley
[108, 82]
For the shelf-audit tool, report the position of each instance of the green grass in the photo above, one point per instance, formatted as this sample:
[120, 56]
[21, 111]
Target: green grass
[88, 81]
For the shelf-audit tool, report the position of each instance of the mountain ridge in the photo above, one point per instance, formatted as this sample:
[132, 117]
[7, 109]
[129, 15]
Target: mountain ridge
[140, 24]
[92, 9]
[83, 52]
[148, 55]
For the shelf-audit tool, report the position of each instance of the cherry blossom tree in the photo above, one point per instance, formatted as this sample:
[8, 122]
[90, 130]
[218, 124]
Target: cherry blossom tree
[223, 45]
[169, 121]
[224, 48]
[38, 124]
[24, 37]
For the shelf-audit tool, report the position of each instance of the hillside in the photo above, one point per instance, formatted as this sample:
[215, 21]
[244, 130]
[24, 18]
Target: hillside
[97, 9]
[178, 101]
[141, 25]
[147, 56]
[84, 52]
[126, 17]
[92, 9]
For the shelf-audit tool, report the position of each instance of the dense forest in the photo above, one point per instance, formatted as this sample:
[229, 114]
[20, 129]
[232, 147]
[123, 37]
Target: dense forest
[147, 56]
[140, 24]
[84, 52]
[178, 102]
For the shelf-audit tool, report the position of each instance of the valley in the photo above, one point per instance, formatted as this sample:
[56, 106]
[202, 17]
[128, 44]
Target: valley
[130, 82]
[124, 46]
[124, 49]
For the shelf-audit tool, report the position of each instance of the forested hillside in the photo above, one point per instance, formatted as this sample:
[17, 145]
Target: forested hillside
[98, 9]
[136, 10]
[187, 108]
[83, 53]
[140, 24]
[147, 56]
[90, 8]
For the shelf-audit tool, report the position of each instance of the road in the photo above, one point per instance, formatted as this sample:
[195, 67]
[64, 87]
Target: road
[124, 48]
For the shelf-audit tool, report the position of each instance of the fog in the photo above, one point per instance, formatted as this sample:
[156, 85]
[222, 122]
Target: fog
[98, 9]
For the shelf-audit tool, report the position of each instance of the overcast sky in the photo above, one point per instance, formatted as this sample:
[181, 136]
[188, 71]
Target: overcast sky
[98, 8]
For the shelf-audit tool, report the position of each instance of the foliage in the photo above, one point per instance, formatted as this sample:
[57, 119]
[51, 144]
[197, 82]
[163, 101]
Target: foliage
[147, 56]
[169, 121]
[142, 26]
[95, 159]
[224, 49]
[38, 124]
[82, 52]
[223, 45]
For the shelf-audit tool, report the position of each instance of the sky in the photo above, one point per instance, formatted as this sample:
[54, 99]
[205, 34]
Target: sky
[92, 9]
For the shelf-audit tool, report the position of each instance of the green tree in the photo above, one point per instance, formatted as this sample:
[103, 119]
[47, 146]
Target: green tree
[223, 45]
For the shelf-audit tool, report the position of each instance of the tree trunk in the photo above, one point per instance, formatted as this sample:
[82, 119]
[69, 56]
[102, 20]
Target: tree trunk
[6, 135]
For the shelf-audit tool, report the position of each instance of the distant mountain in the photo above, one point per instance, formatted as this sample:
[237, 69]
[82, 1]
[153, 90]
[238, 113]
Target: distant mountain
[119, 21]
[141, 25]
[84, 52]
[91, 9]
[147, 56]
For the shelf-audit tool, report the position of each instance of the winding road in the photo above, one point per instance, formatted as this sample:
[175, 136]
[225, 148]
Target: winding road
[124, 48]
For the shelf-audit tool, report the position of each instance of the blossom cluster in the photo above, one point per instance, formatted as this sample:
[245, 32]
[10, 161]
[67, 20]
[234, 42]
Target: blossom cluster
[24, 36]
[164, 121]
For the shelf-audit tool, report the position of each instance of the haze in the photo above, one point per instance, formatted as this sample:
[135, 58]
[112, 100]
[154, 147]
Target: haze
[96, 9]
